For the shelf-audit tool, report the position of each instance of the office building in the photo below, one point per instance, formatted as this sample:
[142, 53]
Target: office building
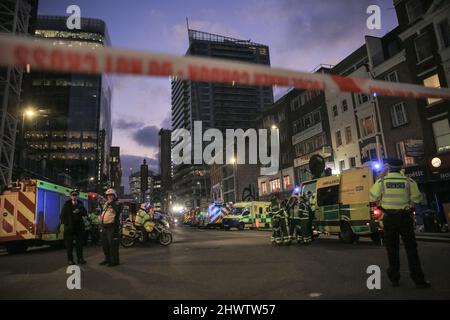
[69, 131]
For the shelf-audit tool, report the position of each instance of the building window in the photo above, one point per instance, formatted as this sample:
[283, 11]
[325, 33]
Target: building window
[362, 98]
[287, 181]
[441, 131]
[335, 111]
[263, 187]
[352, 161]
[444, 28]
[401, 154]
[317, 117]
[344, 105]
[414, 10]
[274, 185]
[342, 165]
[398, 115]
[432, 82]
[423, 47]
[348, 135]
[392, 76]
[367, 126]
[307, 121]
[338, 138]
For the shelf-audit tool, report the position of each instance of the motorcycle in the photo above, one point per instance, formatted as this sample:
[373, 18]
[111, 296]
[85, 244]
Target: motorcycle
[157, 231]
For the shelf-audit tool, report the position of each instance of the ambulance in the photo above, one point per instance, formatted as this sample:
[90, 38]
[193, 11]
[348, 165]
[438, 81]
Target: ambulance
[211, 216]
[29, 214]
[251, 215]
[343, 206]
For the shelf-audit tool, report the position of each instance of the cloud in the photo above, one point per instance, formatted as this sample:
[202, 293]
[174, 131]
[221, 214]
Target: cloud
[147, 136]
[167, 122]
[123, 124]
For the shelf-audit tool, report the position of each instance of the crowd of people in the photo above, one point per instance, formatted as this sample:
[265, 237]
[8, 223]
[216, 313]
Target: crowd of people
[292, 219]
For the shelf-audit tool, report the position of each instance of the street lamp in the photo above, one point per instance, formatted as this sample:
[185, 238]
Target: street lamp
[233, 160]
[200, 186]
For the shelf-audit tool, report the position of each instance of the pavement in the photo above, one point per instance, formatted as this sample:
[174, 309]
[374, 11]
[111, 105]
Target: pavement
[218, 264]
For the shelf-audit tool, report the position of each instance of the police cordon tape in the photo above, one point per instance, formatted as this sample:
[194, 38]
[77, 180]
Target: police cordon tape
[48, 55]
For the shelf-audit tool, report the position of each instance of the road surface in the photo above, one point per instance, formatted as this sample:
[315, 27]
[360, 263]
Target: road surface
[218, 264]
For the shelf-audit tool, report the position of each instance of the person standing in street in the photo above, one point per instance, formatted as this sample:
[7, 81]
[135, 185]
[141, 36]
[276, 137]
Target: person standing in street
[72, 217]
[275, 214]
[304, 216]
[294, 219]
[110, 224]
[396, 196]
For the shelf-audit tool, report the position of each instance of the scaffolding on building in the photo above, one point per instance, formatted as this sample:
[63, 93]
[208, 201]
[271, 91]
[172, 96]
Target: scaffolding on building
[14, 19]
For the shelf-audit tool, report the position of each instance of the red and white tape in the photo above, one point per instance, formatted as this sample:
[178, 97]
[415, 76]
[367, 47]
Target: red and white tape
[46, 55]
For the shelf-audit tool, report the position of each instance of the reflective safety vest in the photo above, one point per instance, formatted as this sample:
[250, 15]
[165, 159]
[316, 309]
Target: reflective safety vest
[94, 219]
[312, 202]
[141, 217]
[276, 211]
[300, 211]
[395, 192]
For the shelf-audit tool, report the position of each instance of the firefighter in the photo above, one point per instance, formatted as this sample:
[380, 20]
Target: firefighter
[72, 215]
[304, 213]
[396, 196]
[274, 213]
[284, 222]
[294, 219]
[110, 222]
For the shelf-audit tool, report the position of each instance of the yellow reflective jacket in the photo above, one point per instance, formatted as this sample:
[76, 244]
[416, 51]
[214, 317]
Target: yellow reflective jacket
[395, 192]
[141, 217]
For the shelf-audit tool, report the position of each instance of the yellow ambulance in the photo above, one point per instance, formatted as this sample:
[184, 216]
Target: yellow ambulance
[343, 206]
[251, 215]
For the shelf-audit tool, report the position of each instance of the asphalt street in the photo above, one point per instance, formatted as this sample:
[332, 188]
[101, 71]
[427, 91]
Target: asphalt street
[218, 264]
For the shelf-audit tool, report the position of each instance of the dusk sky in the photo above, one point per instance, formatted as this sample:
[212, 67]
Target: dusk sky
[300, 35]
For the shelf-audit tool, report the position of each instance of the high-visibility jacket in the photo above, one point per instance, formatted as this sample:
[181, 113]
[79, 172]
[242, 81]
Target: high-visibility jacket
[300, 211]
[312, 202]
[277, 211]
[395, 192]
[141, 217]
[93, 218]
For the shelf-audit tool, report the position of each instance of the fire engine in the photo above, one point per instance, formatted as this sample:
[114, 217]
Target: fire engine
[29, 214]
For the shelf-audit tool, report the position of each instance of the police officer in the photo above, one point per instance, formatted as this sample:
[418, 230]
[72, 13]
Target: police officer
[110, 223]
[396, 195]
[143, 216]
[72, 217]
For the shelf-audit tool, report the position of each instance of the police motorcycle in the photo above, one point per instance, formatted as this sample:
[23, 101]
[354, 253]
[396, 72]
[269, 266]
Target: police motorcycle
[157, 230]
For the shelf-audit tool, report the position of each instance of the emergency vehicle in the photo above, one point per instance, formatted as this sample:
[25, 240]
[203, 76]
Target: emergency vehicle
[343, 206]
[214, 215]
[29, 214]
[251, 215]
